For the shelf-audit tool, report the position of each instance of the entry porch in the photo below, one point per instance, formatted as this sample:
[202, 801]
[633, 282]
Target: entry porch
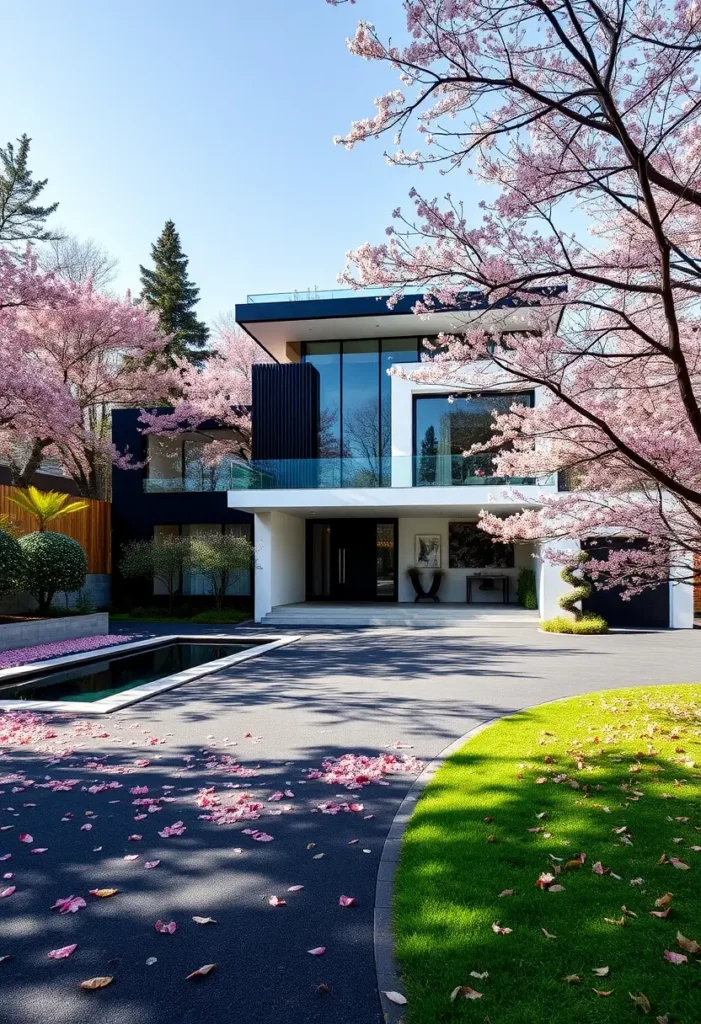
[323, 568]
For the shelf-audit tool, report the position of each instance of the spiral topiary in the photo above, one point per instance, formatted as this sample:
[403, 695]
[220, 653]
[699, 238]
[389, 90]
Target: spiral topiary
[51, 562]
[582, 589]
[10, 562]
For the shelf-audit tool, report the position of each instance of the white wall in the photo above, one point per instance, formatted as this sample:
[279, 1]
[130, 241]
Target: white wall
[453, 587]
[279, 541]
[550, 586]
[681, 595]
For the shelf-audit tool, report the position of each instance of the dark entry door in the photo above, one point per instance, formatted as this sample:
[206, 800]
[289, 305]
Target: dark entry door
[649, 610]
[352, 560]
[353, 554]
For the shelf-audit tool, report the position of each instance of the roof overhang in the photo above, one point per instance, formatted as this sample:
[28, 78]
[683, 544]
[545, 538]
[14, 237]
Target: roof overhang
[274, 324]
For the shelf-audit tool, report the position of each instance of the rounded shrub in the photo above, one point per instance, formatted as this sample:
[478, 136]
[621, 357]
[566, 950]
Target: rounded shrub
[10, 562]
[588, 625]
[52, 562]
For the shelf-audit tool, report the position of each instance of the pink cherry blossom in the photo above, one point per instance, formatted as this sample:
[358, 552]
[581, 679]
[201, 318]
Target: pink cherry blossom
[166, 929]
[63, 952]
[69, 905]
[347, 901]
[220, 391]
[7, 892]
[555, 109]
[176, 829]
[42, 652]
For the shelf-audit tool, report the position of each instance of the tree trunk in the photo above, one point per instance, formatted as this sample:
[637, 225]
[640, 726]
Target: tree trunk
[22, 470]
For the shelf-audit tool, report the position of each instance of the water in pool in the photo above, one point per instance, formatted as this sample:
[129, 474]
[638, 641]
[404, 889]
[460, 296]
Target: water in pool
[99, 678]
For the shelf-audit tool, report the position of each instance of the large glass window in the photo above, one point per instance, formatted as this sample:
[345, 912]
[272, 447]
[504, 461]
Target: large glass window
[360, 410]
[326, 357]
[446, 426]
[355, 417]
[192, 583]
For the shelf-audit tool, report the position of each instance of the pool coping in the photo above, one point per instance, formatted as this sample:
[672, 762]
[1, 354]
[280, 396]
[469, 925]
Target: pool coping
[122, 700]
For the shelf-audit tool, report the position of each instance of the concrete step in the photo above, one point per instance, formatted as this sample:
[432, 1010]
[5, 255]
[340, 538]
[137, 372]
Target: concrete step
[313, 615]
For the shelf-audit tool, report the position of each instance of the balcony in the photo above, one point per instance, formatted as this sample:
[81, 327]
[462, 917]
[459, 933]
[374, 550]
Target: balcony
[319, 474]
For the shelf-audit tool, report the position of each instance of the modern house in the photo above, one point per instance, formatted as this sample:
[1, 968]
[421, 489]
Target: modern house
[357, 475]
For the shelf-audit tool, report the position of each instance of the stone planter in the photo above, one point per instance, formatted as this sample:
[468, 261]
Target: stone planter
[52, 631]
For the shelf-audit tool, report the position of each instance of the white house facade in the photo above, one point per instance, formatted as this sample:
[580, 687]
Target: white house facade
[358, 475]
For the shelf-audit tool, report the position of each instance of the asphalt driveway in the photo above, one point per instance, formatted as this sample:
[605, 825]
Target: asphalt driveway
[259, 730]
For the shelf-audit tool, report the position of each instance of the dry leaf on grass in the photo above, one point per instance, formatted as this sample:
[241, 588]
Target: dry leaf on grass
[601, 972]
[572, 979]
[690, 945]
[641, 1002]
[498, 930]
[464, 992]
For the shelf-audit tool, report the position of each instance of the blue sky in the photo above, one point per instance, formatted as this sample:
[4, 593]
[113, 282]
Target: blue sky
[219, 115]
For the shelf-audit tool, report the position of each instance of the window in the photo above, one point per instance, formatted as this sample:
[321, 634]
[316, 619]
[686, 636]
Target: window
[193, 584]
[355, 418]
[326, 357]
[447, 425]
[180, 461]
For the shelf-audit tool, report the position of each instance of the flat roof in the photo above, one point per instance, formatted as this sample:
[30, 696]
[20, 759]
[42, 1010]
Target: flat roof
[274, 320]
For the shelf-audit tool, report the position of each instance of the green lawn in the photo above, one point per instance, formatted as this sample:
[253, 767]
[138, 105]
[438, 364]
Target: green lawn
[629, 765]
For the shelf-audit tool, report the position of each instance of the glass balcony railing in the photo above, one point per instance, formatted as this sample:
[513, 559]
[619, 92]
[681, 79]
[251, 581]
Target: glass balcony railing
[316, 294]
[317, 474]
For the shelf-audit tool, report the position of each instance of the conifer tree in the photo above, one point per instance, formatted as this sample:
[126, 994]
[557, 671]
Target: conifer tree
[168, 290]
[21, 217]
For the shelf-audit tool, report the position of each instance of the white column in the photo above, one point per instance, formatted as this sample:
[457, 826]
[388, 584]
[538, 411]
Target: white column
[288, 546]
[262, 539]
[402, 432]
[551, 586]
[681, 595]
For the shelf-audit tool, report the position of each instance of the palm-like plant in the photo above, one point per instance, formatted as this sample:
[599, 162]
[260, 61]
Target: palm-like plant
[46, 506]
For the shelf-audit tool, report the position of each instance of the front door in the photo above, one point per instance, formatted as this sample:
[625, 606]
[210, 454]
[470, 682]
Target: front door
[352, 560]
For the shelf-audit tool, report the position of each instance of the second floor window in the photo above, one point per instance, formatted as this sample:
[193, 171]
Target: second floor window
[445, 426]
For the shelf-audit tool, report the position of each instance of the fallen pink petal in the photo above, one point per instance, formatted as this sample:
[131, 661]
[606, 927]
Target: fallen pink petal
[63, 952]
[69, 905]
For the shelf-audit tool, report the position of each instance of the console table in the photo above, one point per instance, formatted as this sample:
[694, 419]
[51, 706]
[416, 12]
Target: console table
[500, 577]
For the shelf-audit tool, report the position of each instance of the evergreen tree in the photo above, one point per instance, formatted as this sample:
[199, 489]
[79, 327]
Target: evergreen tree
[21, 218]
[168, 290]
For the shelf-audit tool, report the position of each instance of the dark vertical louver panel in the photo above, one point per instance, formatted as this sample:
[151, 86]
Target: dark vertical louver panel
[285, 420]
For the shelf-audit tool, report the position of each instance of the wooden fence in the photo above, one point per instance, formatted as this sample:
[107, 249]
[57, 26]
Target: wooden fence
[91, 527]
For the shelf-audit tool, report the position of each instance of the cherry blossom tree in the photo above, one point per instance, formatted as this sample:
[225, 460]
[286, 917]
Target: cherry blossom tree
[219, 391]
[68, 356]
[581, 120]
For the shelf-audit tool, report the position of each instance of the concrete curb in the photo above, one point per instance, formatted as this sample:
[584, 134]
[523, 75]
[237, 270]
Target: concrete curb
[388, 977]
